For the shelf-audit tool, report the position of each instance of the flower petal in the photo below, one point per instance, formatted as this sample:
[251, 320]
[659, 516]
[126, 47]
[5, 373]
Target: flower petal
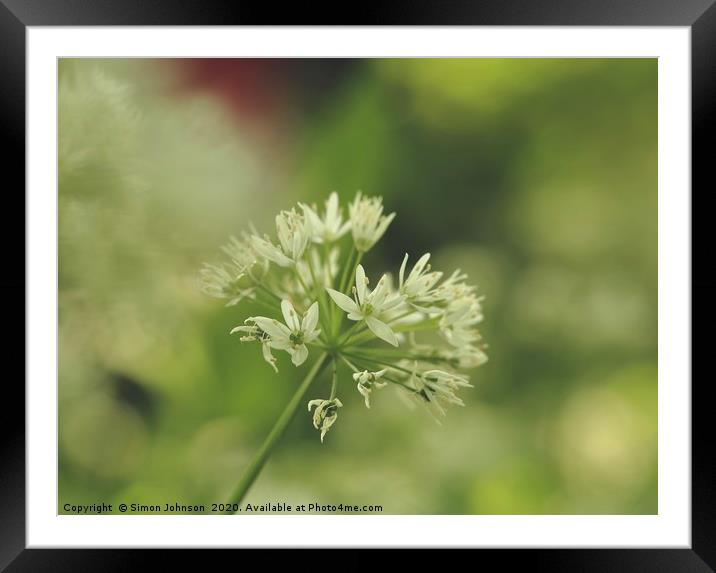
[312, 403]
[380, 230]
[361, 283]
[290, 315]
[299, 354]
[343, 230]
[280, 344]
[312, 218]
[269, 251]
[343, 302]
[268, 357]
[401, 273]
[377, 297]
[381, 330]
[419, 266]
[310, 319]
[272, 327]
[332, 206]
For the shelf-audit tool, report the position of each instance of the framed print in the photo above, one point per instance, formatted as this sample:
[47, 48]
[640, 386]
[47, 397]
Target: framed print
[420, 282]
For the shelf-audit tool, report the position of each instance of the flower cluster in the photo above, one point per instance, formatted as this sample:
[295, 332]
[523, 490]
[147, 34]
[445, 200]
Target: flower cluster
[319, 300]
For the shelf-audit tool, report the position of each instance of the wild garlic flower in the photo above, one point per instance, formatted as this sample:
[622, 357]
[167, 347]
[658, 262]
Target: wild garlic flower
[325, 414]
[292, 336]
[368, 223]
[331, 227]
[369, 306]
[293, 231]
[418, 288]
[233, 280]
[318, 280]
[367, 381]
[244, 257]
[223, 281]
[459, 319]
[436, 388]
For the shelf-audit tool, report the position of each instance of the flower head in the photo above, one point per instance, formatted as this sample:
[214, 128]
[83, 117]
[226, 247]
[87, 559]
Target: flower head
[430, 322]
[325, 414]
[331, 227]
[369, 305]
[367, 221]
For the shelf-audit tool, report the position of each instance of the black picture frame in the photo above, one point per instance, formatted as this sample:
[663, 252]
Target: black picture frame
[17, 15]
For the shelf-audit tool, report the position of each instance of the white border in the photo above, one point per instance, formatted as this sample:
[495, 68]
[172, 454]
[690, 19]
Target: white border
[670, 528]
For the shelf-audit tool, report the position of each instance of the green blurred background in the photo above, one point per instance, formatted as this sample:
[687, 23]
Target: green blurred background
[538, 177]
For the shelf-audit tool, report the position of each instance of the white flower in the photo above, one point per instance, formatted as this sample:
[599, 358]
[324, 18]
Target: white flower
[418, 289]
[325, 414]
[267, 249]
[457, 325]
[369, 306]
[454, 288]
[367, 221]
[224, 281]
[293, 231]
[437, 387]
[245, 257]
[294, 335]
[433, 319]
[367, 381]
[233, 280]
[331, 227]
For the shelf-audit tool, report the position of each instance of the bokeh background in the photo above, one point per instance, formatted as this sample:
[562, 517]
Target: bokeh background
[538, 177]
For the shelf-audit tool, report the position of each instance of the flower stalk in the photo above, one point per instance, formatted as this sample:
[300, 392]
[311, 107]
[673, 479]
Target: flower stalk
[383, 331]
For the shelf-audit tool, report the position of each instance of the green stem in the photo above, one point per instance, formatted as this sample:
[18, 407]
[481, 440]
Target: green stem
[269, 292]
[334, 380]
[349, 363]
[349, 333]
[321, 294]
[327, 265]
[383, 359]
[378, 361]
[302, 282]
[346, 268]
[329, 281]
[276, 432]
[257, 300]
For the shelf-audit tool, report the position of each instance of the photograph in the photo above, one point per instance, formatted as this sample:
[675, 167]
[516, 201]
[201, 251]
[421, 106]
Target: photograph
[345, 286]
